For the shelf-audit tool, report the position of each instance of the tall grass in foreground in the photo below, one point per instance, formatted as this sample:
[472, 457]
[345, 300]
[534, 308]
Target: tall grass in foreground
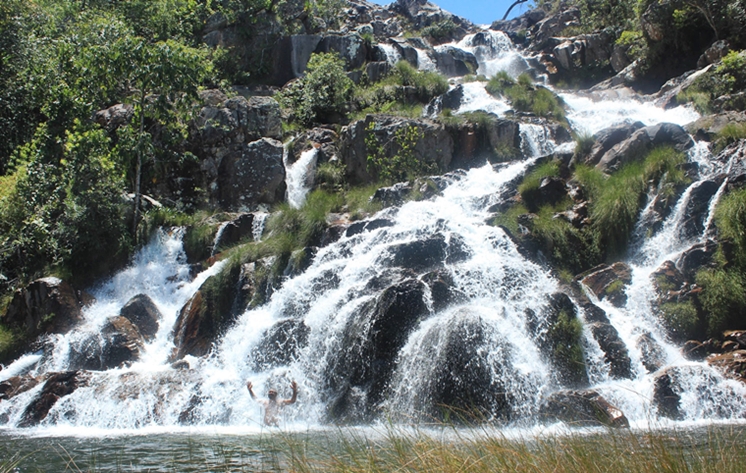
[717, 449]
[607, 452]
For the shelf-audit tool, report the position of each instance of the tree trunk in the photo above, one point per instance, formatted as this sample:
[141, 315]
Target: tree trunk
[138, 168]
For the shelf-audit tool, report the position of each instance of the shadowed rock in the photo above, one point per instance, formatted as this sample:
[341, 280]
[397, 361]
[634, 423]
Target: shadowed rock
[586, 407]
[58, 385]
[143, 313]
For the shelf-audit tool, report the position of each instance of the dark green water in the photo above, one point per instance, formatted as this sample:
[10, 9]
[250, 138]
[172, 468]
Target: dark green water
[276, 451]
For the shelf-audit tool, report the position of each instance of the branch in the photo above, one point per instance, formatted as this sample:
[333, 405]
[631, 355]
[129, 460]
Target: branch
[517, 2]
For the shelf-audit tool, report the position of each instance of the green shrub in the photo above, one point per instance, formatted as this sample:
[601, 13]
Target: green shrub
[429, 84]
[509, 218]
[723, 299]
[322, 94]
[633, 42]
[525, 96]
[682, 320]
[439, 31]
[397, 161]
[730, 218]
[358, 201]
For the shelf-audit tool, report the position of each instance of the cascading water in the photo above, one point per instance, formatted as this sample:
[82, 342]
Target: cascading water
[369, 332]
[299, 177]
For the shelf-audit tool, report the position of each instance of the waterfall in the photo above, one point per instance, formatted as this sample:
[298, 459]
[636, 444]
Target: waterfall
[420, 305]
[299, 177]
[424, 61]
[392, 54]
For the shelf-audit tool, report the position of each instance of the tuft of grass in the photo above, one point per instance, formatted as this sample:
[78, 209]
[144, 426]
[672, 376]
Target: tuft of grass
[525, 96]
[358, 201]
[509, 219]
[583, 143]
[730, 133]
[529, 187]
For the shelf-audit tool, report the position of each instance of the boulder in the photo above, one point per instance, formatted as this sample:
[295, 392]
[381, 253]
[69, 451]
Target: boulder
[57, 386]
[551, 26]
[609, 282]
[350, 48]
[367, 226]
[143, 313]
[47, 305]
[643, 141]
[586, 407]
[652, 354]
[494, 140]
[393, 195]
[118, 344]
[358, 377]
[433, 145]
[236, 120]
[122, 343]
[584, 51]
[469, 382]
[210, 310]
[454, 62]
[434, 251]
[16, 385]
[252, 174]
[608, 137]
[114, 116]
[615, 351]
[706, 128]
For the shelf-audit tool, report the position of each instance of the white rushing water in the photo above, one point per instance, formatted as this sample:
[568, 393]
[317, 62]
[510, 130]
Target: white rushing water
[299, 177]
[366, 330]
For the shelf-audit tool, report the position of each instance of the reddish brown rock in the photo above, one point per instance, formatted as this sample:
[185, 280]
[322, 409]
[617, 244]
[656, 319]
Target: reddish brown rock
[609, 282]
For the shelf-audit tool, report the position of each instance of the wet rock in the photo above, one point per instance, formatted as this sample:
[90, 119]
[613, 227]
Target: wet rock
[706, 128]
[299, 261]
[732, 363]
[585, 407]
[615, 351]
[393, 195]
[143, 313]
[367, 226]
[653, 356]
[350, 48]
[421, 255]
[559, 333]
[57, 386]
[466, 382]
[643, 141]
[372, 340]
[47, 305]
[122, 343]
[252, 174]
[698, 207]
[609, 282]
[451, 100]
[207, 314]
[455, 62]
[442, 291]
[16, 385]
[668, 281]
[234, 231]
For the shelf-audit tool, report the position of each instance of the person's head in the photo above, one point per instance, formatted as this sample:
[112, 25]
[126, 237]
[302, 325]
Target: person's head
[272, 394]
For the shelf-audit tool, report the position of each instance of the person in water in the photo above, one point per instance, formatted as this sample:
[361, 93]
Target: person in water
[272, 405]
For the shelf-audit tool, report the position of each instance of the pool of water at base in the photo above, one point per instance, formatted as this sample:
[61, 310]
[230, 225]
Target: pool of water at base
[275, 450]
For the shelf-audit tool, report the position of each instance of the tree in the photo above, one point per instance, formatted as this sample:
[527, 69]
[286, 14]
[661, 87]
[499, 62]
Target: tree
[161, 79]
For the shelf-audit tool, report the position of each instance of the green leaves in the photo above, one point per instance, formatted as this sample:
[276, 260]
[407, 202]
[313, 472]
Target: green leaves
[322, 93]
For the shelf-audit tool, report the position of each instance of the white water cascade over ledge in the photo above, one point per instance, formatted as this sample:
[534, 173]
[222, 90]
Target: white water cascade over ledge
[327, 328]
